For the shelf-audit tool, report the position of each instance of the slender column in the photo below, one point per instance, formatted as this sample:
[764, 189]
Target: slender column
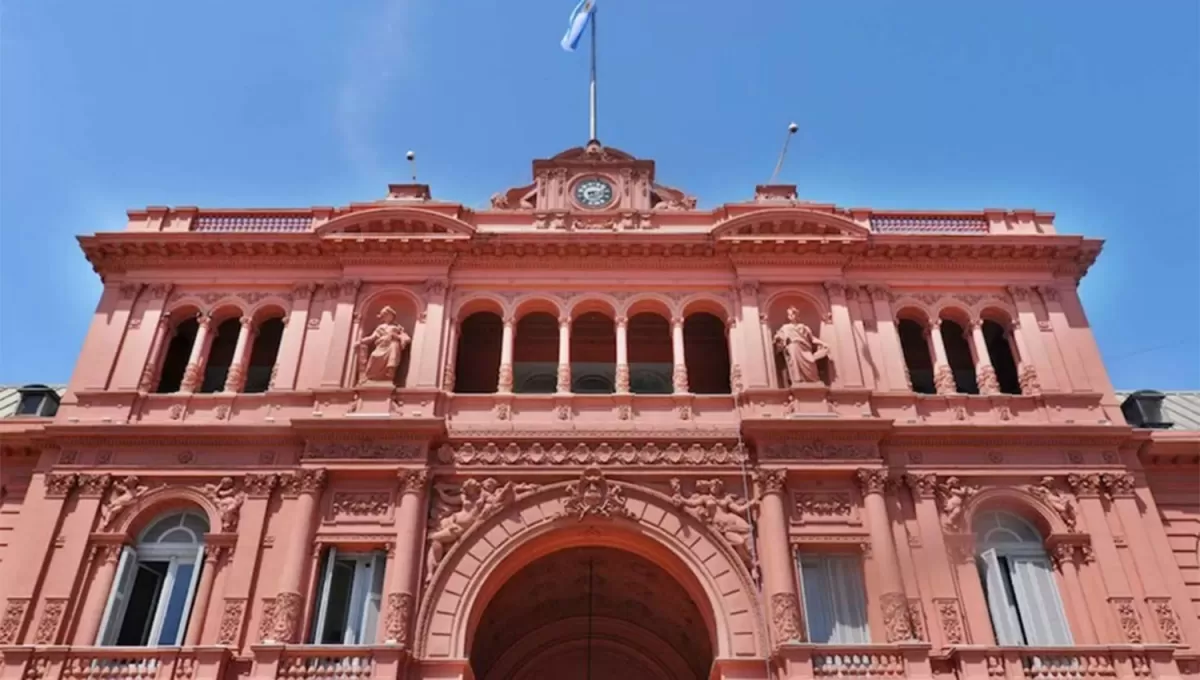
[452, 355]
[291, 345]
[943, 377]
[236, 378]
[339, 344]
[195, 365]
[848, 370]
[779, 575]
[985, 374]
[1121, 622]
[946, 623]
[734, 341]
[680, 377]
[895, 604]
[204, 589]
[105, 556]
[406, 567]
[622, 378]
[1063, 555]
[506, 355]
[1035, 370]
[564, 354]
[289, 602]
[885, 326]
[1062, 331]
[162, 335]
[426, 351]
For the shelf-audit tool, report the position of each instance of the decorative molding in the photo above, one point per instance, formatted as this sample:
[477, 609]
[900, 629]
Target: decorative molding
[266, 624]
[1127, 617]
[818, 450]
[1164, 616]
[594, 495]
[922, 485]
[232, 614]
[916, 617]
[368, 450]
[1047, 491]
[59, 485]
[895, 617]
[260, 485]
[287, 608]
[871, 480]
[413, 481]
[950, 617]
[1084, 485]
[823, 507]
[785, 618]
[952, 498]
[360, 504]
[586, 454]
[1118, 485]
[93, 485]
[52, 614]
[724, 513]
[228, 500]
[12, 620]
[398, 617]
[772, 481]
[303, 481]
[123, 493]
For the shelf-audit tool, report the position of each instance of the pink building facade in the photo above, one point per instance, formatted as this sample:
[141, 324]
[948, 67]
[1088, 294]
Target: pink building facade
[594, 431]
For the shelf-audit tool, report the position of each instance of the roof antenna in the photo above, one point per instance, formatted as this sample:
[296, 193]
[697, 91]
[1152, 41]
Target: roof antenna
[412, 162]
[792, 127]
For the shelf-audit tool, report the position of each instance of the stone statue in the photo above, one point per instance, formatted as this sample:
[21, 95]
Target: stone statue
[125, 492]
[457, 510]
[1048, 491]
[801, 349]
[725, 513]
[228, 501]
[954, 495]
[379, 353]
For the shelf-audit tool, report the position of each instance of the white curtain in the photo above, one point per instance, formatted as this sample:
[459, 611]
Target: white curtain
[834, 599]
[1042, 614]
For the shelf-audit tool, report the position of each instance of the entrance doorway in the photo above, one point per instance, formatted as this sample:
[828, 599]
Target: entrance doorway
[613, 611]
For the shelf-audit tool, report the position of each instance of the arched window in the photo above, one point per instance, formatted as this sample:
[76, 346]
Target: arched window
[220, 355]
[650, 361]
[1018, 580]
[477, 362]
[263, 355]
[593, 354]
[176, 359]
[1000, 352]
[535, 354]
[917, 356]
[151, 596]
[706, 353]
[958, 353]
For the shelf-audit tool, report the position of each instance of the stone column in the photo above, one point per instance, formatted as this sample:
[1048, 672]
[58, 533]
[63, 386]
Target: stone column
[1121, 623]
[775, 556]
[343, 326]
[896, 620]
[291, 345]
[946, 625]
[985, 375]
[564, 354]
[204, 590]
[194, 372]
[105, 556]
[289, 603]
[1061, 327]
[162, 336]
[622, 377]
[236, 378]
[505, 382]
[406, 567]
[1036, 367]
[1063, 555]
[848, 370]
[943, 377]
[679, 377]
[885, 326]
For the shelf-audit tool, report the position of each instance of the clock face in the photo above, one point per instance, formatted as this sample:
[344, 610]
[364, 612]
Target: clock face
[593, 193]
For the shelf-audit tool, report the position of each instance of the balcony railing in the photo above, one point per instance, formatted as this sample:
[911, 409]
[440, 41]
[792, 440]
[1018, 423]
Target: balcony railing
[1066, 663]
[117, 663]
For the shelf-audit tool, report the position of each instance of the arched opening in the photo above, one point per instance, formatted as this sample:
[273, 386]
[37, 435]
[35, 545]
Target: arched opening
[958, 353]
[706, 353]
[649, 342]
[535, 354]
[263, 355]
[175, 360]
[617, 612]
[220, 355]
[477, 360]
[917, 356]
[593, 354]
[152, 593]
[1000, 351]
[1018, 582]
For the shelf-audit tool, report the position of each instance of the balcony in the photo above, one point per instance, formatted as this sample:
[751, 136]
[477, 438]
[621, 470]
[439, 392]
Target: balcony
[124, 663]
[322, 662]
[1065, 663]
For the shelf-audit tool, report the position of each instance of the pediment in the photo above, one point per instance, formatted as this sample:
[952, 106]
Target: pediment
[397, 221]
[788, 222]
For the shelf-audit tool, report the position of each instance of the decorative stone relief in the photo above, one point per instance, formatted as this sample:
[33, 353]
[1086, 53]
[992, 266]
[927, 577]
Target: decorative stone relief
[124, 493]
[458, 509]
[593, 495]
[922, 485]
[1127, 616]
[360, 504]
[398, 616]
[1164, 616]
[1027, 378]
[952, 497]
[823, 506]
[917, 617]
[950, 617]
[726, 513]
[1118, 485]
[772, 481]
[60, 485]
[303, 481]
[871, 481]
[895, 617]
[228, 500]
[1047, 490]
[514, 454]
[987, 380]
[943, 379]
[785, 618]
[267, 623]
[412, 481]
[14, 616]
[1084, 485]
[818, 450]
[52, 614]
[259, 486]
[231, 620]
[93, 486]
[287, 608]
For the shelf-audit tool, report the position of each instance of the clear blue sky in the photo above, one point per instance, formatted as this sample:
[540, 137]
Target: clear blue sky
[1088, 109]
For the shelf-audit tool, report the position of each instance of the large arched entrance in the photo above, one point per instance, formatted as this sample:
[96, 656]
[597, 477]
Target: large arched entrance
[606, 609]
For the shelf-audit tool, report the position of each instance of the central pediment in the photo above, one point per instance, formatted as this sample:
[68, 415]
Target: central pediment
[593, 178]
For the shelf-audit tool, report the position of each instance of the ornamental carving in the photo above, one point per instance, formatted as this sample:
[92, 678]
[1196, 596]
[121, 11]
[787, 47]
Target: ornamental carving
[785, 618]
[60, 485]
[259, 486]
[231, 621]
[413, 481]
[1127, 616]
[895, 617]
[588, 454]
[1084, 485]
[952, 497]
[801, 349]
[818, 450]
[370, 450]
[594, 495]
[267, 622]
[93, 486]
[1047, 490]
[771, 481]
[106, 553]
[286, 622]
[1164, 616]
[679, 378]
[356, 504]
[727, 514]
[943, 379]
[303, 481]
[824, 504]
[950, 617]
[1027, 378]
[458, 509]
[124, 493]
[1118, 485]
[228, 500]
[505, 380]
[622, 378]
[378, 354]
[564, 378]
[397, 617]
[871, 481]
[917, 618]
[987, 380]
[52, 614]
[922, 485]
[14, 616]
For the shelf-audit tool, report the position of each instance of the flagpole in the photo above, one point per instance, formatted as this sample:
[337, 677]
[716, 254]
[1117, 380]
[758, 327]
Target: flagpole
[592, 126]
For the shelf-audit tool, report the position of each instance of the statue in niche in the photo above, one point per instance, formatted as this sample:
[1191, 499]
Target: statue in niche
[727, 514]
[801, 349]
[379, 353]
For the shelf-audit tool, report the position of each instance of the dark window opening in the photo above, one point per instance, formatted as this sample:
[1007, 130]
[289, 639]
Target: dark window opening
[263, 356]
[535, 354]
[706, 354]
[477, 360]
[958, 353]
[220, 356]
[917, 356]
[1001, 354]
[593, 354]
[650, 355]
[175, 361]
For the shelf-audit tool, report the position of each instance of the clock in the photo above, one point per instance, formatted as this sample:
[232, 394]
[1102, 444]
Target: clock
[593, 192]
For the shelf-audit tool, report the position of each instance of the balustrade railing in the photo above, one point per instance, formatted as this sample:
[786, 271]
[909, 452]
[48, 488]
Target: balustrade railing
[1066, 663]
[858, 662]
[122, 663]
[327, 663]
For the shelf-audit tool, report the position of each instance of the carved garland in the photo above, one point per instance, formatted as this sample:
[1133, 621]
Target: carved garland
[589, 454]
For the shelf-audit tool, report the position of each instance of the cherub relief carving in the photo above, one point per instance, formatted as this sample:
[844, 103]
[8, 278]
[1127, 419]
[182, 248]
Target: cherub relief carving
[801, 349]
[228, 501]
[1048, 491]
[457, 510]
[726, 513]
[125, 492]
[379, 353]
[954, 495]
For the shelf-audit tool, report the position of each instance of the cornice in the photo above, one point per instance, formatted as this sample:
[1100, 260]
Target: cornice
[178, 434]
[1009, 435]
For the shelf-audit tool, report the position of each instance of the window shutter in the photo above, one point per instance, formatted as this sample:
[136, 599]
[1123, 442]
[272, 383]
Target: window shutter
[318, 635]
[816, 591]
[191, 597]
[1038, 602]
[118, 597]
[1001, 605]
[370, 620]
[850, 602]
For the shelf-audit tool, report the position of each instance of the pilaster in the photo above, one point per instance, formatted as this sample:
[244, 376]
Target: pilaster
[291, 345]
[334, 374]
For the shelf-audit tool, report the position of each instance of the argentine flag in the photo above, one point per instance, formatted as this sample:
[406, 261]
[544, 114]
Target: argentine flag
[579, 21]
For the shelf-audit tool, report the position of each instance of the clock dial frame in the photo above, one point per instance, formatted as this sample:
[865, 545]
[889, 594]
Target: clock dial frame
[593, 193]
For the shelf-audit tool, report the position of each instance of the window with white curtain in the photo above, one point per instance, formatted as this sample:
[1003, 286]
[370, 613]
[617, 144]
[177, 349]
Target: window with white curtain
[835, 602]
[1018, 580]
[152, 593]
[347, 607]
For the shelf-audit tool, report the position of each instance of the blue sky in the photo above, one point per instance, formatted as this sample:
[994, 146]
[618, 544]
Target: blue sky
[1086, 109]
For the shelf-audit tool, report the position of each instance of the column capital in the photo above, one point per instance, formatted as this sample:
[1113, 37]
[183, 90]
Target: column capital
[878, 292]
[304, 291]
[621, 321]
[922, 485]
[245, 321]
[564, 322]
[1019, 293]
[309, 481]
[413, 481]
[349, 287]
[508, 320]
[1085, 485]
[976, 324]
[259, 485]
[204, 319]
[1118, 485]
[59, 485]
[871, 480]
[835, 290]
[677, 322]
[774, 481]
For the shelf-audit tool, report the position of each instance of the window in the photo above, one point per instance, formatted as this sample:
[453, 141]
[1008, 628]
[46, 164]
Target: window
[152, 593]
[1018, 581]
[835, 603]
[347, 611]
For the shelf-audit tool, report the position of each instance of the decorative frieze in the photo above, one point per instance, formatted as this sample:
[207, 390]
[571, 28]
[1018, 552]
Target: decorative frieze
[360, 504]
[367, 450]
[587, 454]
[950, 617]
[785, 618]
[59, 485]
[302, 481]
[46, 632]
[824, 507]
[593, 495]
[232, 615]
[1165, 618]
[818, 450]
[1127, 617]
[895, 617]
[13, 619]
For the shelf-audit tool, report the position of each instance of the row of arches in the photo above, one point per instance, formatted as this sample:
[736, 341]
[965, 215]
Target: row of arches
[950, 354]
[222, 352]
